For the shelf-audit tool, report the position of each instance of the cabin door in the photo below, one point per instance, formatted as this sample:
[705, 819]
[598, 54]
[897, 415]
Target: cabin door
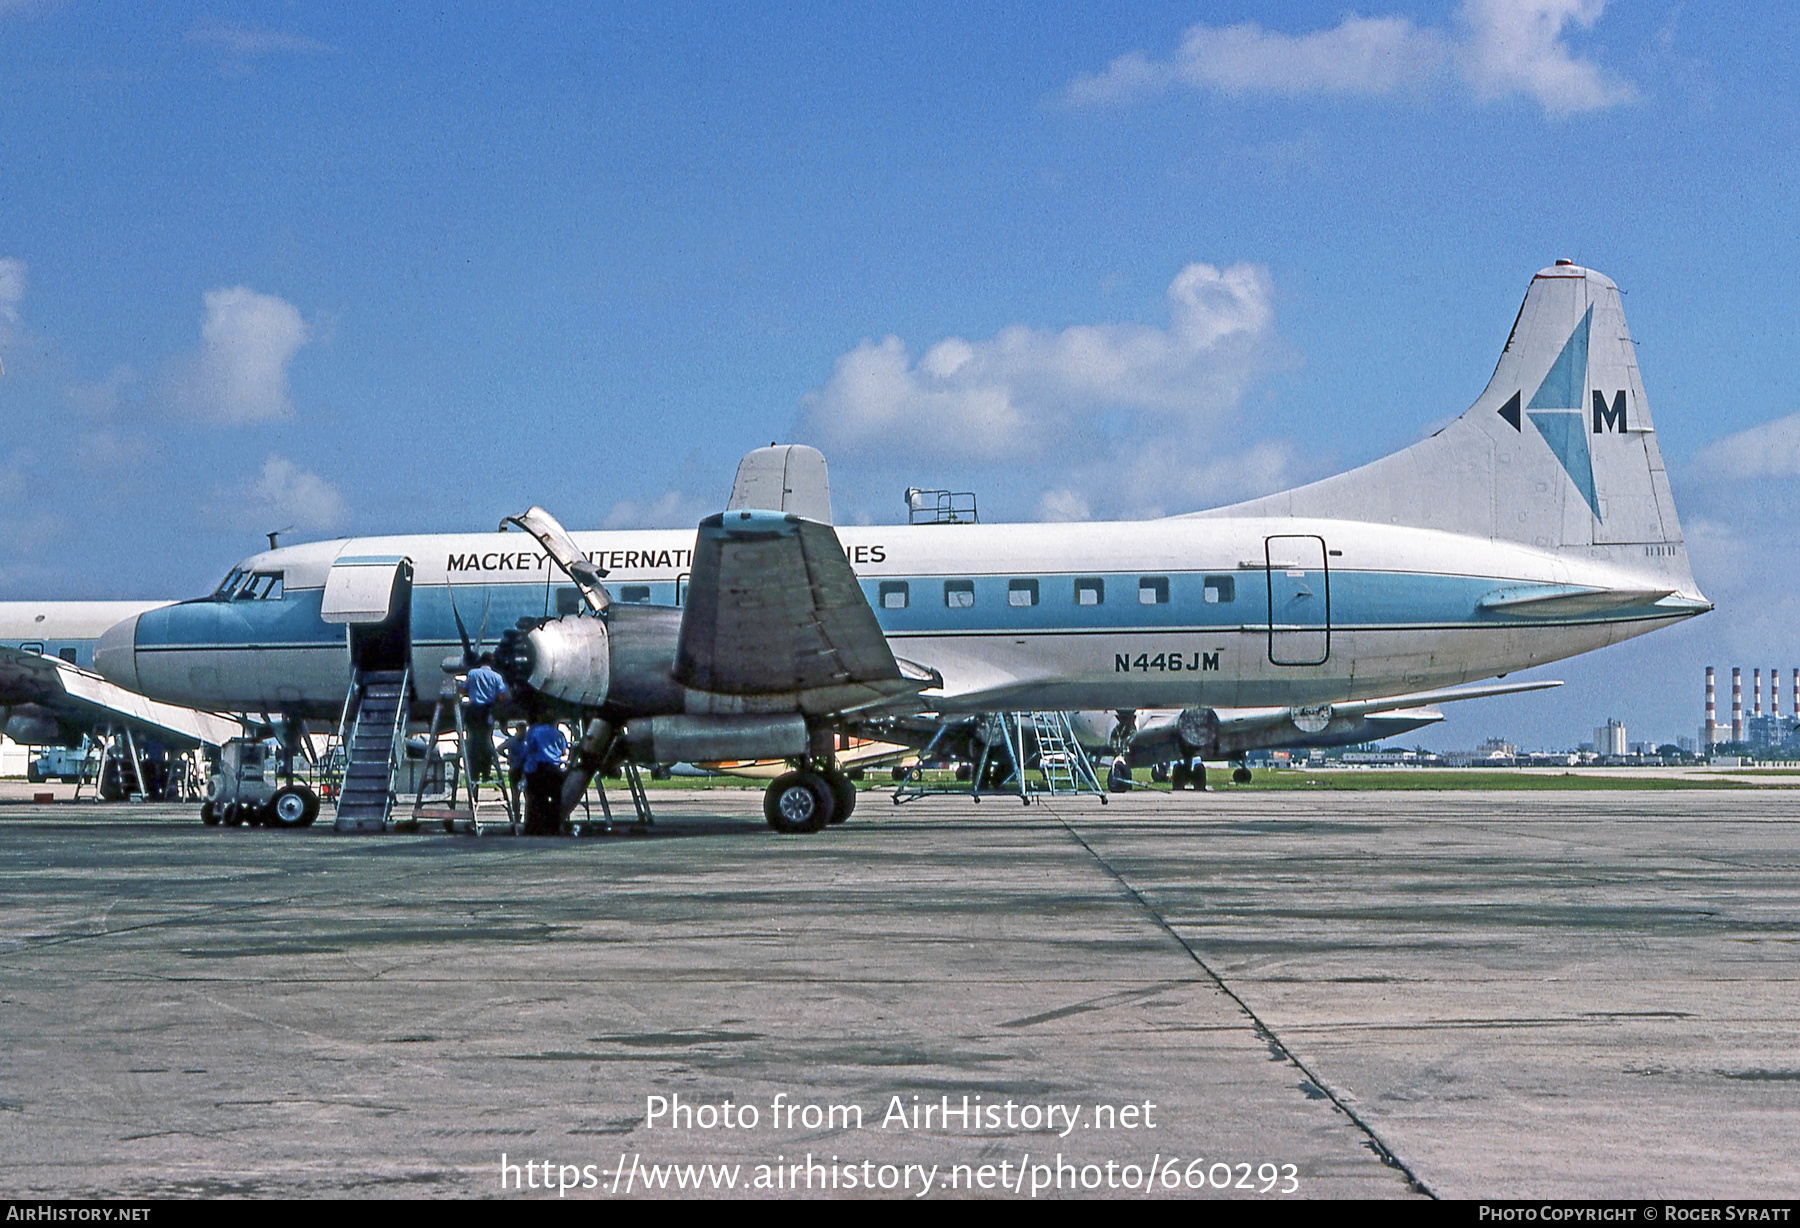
[1299, 600]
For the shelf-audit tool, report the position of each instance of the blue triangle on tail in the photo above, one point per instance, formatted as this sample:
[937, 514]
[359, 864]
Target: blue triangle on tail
[1566, 433]
[1562, 388]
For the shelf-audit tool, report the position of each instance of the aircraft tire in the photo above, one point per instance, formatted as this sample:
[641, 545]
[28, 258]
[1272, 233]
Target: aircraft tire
[843, 795]
[293, 806]
[1197, 778]
[1179, 777]
[232, 815]
[797, 803]
[1240, 776]
[208, 815]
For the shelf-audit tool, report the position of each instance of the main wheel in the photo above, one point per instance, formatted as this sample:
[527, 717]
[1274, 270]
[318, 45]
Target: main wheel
[232, 814]
[208, 815]
[843, 795]
[1179, 776]
[293, 806]
[1198, 778]
[1240, 776]
[797, 802]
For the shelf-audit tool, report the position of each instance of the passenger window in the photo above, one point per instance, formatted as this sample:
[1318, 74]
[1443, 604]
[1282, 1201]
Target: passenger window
[895, 594]
[32, 647]
[1153, 590]
[1090, 590]
[1220, 590]
[1021, 592]
[67, 654]
[959, 594]
[630, 594]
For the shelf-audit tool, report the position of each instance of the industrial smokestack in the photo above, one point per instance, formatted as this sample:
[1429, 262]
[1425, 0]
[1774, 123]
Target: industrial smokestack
[1756, 692]
[1737, 703]
[1712, 710]
[1775, 693]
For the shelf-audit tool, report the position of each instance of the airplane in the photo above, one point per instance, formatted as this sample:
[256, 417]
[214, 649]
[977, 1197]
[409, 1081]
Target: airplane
[51, 696]
[1536, 526]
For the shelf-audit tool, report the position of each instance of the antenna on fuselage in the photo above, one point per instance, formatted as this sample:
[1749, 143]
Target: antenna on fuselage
[275, 534]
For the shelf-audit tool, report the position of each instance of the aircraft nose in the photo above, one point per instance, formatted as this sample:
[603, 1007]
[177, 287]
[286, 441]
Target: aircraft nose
[115, 655]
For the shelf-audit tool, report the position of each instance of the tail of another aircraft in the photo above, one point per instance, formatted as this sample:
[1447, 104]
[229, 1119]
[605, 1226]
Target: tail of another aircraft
[1559, 452]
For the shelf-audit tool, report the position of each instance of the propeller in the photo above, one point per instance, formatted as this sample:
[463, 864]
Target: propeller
[471, 652]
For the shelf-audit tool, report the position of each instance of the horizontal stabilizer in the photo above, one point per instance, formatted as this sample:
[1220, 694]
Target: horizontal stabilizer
[1566, 600]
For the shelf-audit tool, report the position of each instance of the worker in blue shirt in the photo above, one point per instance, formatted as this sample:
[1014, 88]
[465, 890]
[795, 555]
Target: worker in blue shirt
[545, 750]
[485, 688]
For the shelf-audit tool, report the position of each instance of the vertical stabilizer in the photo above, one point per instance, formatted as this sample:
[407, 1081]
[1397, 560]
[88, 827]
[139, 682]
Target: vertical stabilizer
[1559, 452]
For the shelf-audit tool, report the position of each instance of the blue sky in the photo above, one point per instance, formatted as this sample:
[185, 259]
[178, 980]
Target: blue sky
[345, 269]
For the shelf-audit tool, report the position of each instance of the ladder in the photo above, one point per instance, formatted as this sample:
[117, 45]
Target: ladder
[448, 790]
[1064, 764]
[366, 796]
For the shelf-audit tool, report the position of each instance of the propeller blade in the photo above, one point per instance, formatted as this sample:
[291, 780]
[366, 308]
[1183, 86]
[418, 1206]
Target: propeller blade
[470, 657]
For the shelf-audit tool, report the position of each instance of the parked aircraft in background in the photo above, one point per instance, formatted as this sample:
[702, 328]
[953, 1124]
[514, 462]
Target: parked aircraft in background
[51, 696]
[1536, 526]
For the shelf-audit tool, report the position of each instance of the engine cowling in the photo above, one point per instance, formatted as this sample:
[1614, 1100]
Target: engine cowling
[32, 725]
[567, 658]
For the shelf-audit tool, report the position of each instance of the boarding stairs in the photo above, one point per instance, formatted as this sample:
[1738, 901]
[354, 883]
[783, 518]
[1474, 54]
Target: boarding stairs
[374, 718]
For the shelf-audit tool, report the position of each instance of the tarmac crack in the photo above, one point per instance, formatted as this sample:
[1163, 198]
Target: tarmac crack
[1264, 1032]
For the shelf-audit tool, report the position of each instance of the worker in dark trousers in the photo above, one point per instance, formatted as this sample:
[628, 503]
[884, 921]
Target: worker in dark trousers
[485, 688]
[546, 750]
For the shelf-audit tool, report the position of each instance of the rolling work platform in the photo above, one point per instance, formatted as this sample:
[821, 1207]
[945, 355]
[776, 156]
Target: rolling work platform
[449, 792]
[374, 718]
[1063, 767]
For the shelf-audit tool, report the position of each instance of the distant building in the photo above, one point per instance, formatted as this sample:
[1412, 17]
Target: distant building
[1609, 739]
[1688, 746]
[1496, 747]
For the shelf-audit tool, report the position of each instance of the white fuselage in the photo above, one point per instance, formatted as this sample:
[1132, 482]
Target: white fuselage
[1221, 612]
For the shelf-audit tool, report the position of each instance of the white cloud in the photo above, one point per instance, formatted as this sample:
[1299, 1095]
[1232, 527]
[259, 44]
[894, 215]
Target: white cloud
[1023, 390]
[240, 372]
[1109, 418]
[1063, 504]
[1771, 450]
[287, 496]
[1498, 48]
[673, 510]
[12, 293]
[237, 46]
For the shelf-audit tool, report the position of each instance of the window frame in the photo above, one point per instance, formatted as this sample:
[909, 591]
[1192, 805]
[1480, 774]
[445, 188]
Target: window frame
[893, 588]
[1225, 588]
[1092, 584]
[959, 587]
[1023, 584]
[1159, 585]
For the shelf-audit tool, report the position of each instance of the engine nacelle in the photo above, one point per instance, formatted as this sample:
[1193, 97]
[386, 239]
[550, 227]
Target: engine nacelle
[568, 658]
[32, 725]
[716, 739]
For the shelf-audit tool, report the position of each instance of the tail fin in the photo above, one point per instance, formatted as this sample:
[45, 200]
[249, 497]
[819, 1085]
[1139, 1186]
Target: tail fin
[1559, 452]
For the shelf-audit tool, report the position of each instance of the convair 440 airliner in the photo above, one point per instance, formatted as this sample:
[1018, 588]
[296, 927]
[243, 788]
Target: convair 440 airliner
[1536, 526]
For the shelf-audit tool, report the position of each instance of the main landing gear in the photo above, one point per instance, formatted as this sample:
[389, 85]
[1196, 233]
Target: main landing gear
[809, 800]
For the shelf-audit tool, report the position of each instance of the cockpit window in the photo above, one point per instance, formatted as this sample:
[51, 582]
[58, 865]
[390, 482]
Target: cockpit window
[261, 586]
[250, 586]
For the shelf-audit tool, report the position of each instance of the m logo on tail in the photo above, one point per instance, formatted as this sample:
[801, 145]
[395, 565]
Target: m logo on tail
[1555, 410]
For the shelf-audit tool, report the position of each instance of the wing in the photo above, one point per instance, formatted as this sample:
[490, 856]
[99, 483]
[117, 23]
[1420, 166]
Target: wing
[775, 621]
[1229, 731]
[81, 698]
